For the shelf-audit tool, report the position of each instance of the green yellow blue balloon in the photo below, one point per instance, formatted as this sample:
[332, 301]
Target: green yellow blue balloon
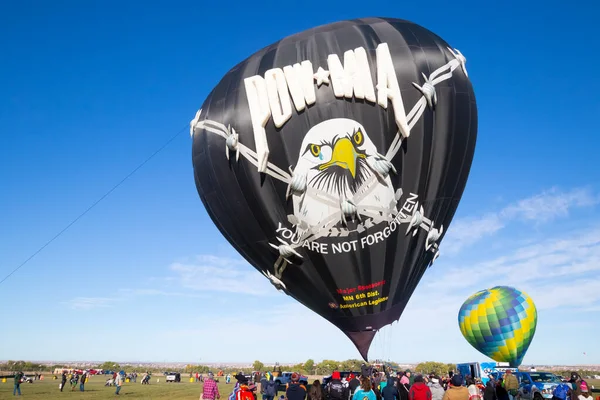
[499, 322]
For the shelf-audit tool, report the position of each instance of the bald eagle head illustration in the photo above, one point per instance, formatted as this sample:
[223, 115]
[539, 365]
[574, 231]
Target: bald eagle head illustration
[334, 156]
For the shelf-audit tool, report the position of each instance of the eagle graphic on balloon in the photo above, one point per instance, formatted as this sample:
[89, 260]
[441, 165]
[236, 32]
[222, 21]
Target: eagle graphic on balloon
[337, 157]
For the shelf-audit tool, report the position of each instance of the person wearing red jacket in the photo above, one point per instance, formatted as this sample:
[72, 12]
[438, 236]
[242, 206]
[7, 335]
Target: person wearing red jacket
[419, 390]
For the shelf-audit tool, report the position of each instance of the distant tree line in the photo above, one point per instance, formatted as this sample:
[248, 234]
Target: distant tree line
[309, 367]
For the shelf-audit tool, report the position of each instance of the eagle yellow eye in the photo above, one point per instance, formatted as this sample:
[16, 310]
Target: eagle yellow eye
[315, 149]
[358, 137]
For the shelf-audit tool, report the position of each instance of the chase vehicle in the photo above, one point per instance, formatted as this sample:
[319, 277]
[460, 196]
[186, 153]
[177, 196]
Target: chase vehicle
[537, 385]
[484, 370]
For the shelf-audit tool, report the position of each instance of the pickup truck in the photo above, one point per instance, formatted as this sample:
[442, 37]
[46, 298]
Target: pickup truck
[536, 385]
[286, 377]
[173, 377]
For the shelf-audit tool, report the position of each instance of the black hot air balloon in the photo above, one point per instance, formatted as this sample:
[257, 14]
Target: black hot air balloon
[334, 160]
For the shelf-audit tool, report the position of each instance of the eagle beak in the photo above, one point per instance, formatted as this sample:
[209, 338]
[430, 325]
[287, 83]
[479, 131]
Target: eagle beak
[344, 155]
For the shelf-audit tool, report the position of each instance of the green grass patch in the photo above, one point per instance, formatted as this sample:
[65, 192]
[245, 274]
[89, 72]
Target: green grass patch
[95, 389]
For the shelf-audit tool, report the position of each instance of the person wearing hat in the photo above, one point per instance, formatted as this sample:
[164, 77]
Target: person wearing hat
[246, 391]
[295, 390]
[585, 393]
[390, 391]
[408, 374]
[437, 391]
[419, 390]
[239, 377]
[456, 390]
[511, 384]
[210, 389]
[335, 388]
[268, 387]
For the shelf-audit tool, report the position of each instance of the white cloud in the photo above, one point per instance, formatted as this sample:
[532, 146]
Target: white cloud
[550, 204]
[540, 208]
[88, 303]
[553, 262]
[159, 292]
[219, 274]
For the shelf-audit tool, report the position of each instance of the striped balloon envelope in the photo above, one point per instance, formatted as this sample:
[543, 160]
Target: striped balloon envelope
[499, 322]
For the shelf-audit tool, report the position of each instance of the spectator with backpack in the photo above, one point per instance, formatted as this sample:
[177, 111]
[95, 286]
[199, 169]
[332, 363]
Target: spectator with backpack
[295, 390]
[336, 389]
[561, 392]
[268, 388]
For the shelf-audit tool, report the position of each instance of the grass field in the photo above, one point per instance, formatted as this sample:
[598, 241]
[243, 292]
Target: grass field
[95, 389]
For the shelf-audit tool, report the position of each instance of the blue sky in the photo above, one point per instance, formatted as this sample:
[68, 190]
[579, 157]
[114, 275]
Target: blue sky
[89, 91]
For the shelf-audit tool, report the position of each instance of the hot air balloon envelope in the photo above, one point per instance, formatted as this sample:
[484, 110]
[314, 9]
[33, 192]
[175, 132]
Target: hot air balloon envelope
[500, 323]
[334, 160]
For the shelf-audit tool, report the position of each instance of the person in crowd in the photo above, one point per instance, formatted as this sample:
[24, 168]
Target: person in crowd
[575, 382]
[295, 390]
[419, 390]
[410, 377]
[490, 391]
[18, 379]
[253, 388]
[118, 381]
[405, 379]
[456, 390]
[501, 392]
[403, 386]
[210, 389]
[269, 387]
[562, 391]
[585, 393]
[511, 384]
[353, 383]
[63, 381]
[437, 391]
[474, 392]
[365, 370]
[263, 384]
[74, 381]
[390, 391]
[382, 383]
[365, 391]
[244, 391]
[82, 382]
[316, 391]
[336, 389]
[239, 379]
